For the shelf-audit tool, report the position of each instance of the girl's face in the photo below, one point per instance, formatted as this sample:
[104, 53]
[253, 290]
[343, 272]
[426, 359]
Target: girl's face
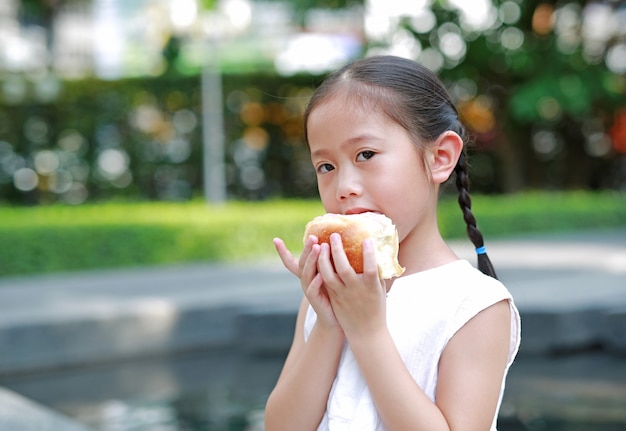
[366, 162]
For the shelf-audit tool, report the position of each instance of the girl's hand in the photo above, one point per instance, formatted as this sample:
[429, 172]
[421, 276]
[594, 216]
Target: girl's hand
[358, 300]
[305, 268]
[289, 261]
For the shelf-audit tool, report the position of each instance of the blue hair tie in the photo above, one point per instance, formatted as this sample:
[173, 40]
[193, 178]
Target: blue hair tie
[481, 250]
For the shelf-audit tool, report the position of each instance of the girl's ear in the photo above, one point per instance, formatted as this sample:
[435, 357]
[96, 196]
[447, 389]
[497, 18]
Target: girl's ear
[444, 155]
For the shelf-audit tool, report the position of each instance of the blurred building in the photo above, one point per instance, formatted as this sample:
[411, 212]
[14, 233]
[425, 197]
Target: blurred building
[116, 38]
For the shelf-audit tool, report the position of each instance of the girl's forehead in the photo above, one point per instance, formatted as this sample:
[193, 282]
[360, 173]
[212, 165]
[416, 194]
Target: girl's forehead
[337, 122]
[348, 103]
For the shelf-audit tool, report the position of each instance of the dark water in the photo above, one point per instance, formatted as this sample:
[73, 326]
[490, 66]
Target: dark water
[220, 390]
[548, 424]
[226, 391]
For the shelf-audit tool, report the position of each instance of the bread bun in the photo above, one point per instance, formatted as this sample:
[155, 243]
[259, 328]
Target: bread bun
[355, 228]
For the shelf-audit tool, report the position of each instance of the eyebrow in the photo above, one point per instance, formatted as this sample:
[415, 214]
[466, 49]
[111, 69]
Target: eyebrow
[349, 142]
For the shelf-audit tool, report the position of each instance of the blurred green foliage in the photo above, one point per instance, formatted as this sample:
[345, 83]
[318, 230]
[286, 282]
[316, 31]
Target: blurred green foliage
[142, 138]
[534, 87]
[119, 234]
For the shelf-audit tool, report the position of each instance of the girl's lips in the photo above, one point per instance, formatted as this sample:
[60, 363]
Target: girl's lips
[360, 211]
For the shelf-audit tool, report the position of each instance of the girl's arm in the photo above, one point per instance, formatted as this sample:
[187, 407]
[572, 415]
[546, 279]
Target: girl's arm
[471, 370]
[299, 398]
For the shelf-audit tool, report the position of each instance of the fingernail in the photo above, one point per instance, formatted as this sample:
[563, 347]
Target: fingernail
[324, 248]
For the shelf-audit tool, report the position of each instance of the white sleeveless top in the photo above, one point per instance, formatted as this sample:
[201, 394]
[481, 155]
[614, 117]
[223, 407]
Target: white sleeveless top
[424, 311]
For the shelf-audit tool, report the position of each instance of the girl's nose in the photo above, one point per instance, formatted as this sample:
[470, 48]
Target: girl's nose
[348, 185]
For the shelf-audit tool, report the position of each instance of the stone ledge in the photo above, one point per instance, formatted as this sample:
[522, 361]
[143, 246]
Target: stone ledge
[69, 343]
[561, 331]
[253, 330]
[616, 330]
[265, 332]
[21, 414]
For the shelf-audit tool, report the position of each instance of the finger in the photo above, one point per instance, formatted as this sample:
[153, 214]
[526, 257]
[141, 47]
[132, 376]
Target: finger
[308, 246]
[315, 286]
[308, 266]
[340, 260]
[370, 266]
[288, 259]
[326, 267]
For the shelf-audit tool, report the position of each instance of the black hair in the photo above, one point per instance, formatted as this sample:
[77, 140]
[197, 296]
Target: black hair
[413, 96]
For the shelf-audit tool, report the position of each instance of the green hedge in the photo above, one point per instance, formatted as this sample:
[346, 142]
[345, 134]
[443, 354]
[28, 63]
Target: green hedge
[63, 238]
[515, 214]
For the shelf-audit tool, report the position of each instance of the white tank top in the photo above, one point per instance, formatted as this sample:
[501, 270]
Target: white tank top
[424, 311]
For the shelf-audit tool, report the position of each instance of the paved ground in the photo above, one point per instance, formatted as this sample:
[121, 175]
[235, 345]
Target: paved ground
[570, 289]
[557, 281]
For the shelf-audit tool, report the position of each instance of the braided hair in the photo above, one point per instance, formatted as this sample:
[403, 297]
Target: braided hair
[412, 96]
[465, 202]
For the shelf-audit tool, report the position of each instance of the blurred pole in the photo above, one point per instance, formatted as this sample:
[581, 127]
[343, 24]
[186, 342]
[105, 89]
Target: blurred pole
[213, 127]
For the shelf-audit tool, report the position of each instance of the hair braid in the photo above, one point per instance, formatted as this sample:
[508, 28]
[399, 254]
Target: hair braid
[465, 202]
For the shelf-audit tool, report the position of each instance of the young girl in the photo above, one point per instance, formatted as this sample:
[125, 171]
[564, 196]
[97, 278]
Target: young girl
[428, 350]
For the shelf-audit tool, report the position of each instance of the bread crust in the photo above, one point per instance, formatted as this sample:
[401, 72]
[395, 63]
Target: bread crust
[354, 229]
[352, 236]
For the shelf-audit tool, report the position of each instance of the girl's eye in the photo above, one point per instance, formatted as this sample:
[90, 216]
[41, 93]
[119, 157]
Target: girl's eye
[365, 155]
[325, 168]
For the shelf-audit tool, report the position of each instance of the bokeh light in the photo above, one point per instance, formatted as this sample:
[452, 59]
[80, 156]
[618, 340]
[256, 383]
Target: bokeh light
[36, 130]
[542, 19]
[46, 162]
[178, 150]
[72, 141]
[512, 38]
[618, 131]
[451, 42]
[256, 138]
[476, 15]
[25, 179]
[60, 181]
[478, 114]
[423, 21]
[509, 12]
[567, 28]
[252, 113]
[547, 144]
[112, 163]
[548, 108]
[184, 121]
[432, 58]
[76, 194]
[616, 58]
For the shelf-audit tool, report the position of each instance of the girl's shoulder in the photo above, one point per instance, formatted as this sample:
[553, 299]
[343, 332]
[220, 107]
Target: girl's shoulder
[457, 284]
[458, 272]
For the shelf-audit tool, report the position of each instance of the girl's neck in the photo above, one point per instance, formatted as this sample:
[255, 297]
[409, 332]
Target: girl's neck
[424, 249]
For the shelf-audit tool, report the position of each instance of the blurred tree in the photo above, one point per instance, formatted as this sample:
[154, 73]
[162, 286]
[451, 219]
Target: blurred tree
[171, 54]
[300, 7]
[534, 86]
[40, 12]
[542, 85]
[207, 4]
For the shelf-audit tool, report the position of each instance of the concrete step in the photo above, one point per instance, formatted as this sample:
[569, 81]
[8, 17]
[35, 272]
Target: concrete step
[571, 292]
